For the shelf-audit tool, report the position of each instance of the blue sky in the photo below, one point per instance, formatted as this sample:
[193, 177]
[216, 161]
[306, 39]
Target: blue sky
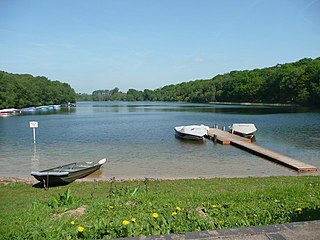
[147, 44]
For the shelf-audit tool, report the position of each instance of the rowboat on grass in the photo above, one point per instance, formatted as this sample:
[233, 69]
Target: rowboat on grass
[67, 173]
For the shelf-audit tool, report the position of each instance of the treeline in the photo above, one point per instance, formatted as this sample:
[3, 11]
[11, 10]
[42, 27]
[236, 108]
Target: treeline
[291, 83]
[24, 90]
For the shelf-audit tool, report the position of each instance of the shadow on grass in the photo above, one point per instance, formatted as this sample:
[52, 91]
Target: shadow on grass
[41, 185]
[306, 215]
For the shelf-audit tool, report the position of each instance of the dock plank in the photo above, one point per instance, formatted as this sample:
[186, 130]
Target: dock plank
[245, 144]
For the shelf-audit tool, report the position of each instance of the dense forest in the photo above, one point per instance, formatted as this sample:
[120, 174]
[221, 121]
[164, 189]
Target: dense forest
[24, 90]
[290, 83]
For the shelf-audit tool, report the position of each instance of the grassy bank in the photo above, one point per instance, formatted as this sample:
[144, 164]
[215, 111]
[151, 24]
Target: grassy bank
[132, 208]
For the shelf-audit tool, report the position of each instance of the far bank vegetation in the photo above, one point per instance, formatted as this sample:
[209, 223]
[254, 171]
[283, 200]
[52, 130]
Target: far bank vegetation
[290, 83]
[25, 90]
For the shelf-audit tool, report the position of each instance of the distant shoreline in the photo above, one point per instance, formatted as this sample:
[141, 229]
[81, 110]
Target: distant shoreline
[256, 104]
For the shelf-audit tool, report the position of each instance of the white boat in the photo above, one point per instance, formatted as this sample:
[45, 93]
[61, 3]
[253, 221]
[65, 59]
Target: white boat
[42, 108]
[191, 132]
[9, 112]
[57, 107]
[246, 130]
[28, 110]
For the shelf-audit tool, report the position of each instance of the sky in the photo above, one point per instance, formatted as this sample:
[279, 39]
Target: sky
[147, 44]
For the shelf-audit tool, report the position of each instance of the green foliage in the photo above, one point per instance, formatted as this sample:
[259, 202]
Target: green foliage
[291, 83]
[63, 199]
[24, 90]
[149, 207]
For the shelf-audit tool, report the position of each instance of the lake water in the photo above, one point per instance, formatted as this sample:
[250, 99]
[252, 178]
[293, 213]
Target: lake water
[137, 138]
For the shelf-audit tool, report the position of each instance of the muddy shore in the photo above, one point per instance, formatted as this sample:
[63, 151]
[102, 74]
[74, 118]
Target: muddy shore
[95, 178]
[32, 180]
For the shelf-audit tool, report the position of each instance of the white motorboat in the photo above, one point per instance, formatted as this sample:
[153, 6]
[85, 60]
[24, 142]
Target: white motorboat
[9, 112]
[246, 130]
[191, 132]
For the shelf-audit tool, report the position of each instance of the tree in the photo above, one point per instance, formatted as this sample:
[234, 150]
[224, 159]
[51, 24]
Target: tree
[24, 90]
[297, 83]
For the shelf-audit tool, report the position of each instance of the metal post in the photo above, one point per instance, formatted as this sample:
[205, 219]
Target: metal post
[34, 135]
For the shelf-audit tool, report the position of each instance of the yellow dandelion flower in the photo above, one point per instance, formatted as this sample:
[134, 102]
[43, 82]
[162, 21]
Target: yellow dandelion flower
[133, 220]
[72, 222]
[173, 214]
[299, 209]
[214, 206]
[80, 229]
[155, 215]
[111, 207]
[178, 208]
[125, 222]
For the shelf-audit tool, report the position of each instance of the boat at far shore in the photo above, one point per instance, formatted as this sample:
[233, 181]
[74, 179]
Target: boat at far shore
[192, 132]
[67, 173]
[247, 130]
[9, 112]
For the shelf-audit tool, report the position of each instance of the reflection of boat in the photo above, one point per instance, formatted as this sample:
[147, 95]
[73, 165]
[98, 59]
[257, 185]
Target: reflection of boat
[192, 132]
[243, 129]
[67, 173]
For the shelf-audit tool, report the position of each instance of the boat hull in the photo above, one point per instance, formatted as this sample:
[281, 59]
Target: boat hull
[192, 132]
[244, 130]
[248, 135]
[66, 174]
[188, 136]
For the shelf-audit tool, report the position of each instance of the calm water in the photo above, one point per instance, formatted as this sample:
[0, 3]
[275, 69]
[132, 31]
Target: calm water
[138, 140]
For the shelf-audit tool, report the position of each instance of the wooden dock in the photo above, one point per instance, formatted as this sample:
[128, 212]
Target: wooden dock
[224, 138]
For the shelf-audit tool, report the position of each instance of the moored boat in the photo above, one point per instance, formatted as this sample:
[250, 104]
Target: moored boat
[191, 132]
[42, 108]
[67, 173]
[9, 111]
[247, 130]
[54, 107]
[28, 110]
[57, 107]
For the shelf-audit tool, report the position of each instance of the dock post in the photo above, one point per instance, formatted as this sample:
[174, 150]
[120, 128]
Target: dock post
[215, 138]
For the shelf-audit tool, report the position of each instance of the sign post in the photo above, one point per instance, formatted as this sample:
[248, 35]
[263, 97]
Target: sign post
[34, 125]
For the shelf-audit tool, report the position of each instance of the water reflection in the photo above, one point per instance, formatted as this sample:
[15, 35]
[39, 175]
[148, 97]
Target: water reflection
[34, 159]
[138, 139]
[189, 141]
[190, 107]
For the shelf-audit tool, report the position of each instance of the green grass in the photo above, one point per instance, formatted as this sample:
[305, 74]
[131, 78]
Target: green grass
[126, 208]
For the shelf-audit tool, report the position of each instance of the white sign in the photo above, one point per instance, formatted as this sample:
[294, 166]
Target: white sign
[33, 124]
